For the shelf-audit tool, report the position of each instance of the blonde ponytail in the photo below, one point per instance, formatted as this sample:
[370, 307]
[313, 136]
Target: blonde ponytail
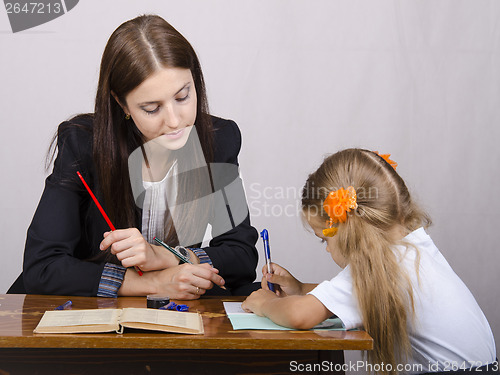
[384, 293]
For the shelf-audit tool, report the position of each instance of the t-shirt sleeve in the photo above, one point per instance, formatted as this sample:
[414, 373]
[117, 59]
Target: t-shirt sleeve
[337, 296]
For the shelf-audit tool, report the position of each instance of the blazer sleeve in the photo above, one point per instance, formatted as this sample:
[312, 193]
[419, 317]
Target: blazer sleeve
[55, 253]
[233, 253]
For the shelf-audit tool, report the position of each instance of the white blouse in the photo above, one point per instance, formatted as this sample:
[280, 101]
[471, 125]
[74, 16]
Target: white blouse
[158, 194]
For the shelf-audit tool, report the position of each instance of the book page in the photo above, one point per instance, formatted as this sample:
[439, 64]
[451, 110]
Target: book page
[107, 320]
[161, 317]
[66, 318]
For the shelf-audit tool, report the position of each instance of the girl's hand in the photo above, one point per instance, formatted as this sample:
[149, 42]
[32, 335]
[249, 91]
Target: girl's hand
[255, 301]
[131, 249]
[283, 280]
[187, 281]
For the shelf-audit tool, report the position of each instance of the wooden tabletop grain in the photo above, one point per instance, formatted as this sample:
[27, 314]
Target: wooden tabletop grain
[19, 315]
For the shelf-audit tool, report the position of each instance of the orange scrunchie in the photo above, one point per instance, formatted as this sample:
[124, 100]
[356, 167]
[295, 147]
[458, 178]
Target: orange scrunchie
[337, 204]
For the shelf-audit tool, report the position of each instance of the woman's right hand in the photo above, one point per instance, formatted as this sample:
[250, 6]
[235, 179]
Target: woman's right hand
[283, 280]
[132, 249]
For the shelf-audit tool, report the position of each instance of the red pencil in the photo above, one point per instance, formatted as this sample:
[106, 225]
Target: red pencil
[102, 211]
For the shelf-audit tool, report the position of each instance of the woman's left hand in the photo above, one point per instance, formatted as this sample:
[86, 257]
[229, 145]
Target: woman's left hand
[132, 249]
[256, 301]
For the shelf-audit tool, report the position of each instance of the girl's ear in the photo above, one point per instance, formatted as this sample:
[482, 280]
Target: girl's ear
[124, 107]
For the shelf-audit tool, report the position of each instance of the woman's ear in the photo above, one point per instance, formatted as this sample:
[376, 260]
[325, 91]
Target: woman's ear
[124, 107]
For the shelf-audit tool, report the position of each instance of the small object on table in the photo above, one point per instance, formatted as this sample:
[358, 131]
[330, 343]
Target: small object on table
[65, 306]
[174, 306]
[156, 301]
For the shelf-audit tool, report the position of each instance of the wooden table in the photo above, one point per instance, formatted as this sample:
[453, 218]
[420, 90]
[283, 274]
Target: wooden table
[221, 350]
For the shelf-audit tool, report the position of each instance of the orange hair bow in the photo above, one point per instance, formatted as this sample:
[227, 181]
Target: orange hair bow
[337, 204]
[386, 158]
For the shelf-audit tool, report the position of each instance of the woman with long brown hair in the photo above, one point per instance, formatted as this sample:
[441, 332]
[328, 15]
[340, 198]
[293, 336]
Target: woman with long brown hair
[151, 103]
[395, 283]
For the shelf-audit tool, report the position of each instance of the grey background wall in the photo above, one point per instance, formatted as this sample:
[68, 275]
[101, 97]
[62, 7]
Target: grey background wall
[417, 79]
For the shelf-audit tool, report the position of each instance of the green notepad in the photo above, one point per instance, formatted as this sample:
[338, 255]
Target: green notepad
[240, 319]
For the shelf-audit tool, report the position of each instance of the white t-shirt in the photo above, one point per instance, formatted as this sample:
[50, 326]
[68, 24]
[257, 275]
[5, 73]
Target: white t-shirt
[450, 328]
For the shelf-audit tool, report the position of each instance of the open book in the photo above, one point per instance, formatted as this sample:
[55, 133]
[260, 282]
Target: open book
[114, 320]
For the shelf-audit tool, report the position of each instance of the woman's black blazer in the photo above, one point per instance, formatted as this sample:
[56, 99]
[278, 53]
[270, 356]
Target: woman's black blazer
[67, 228]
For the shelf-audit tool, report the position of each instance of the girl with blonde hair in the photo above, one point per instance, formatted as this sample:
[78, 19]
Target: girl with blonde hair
[395, 283]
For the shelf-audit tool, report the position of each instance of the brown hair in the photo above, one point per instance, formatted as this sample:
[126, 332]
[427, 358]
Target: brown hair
[366, 240]
[136, 50]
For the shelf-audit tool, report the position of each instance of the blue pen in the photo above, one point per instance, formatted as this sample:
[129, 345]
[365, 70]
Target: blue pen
[267, 252]
[65, 306]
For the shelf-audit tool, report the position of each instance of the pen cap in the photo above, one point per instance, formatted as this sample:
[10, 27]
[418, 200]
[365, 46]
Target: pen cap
[155, 301]
[65, 306]
[264, 235]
